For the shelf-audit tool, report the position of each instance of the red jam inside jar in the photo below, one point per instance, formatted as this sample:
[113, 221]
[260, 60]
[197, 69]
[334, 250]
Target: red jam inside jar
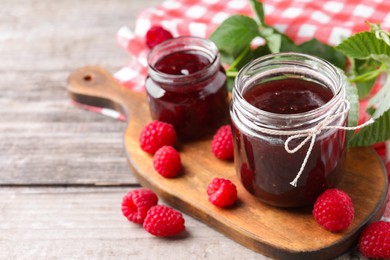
[182, 63]
[288, 96]
[186, 86]
[296, 99]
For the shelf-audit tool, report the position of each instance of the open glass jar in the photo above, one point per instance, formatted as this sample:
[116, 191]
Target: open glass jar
[186, 86]
[279, 96]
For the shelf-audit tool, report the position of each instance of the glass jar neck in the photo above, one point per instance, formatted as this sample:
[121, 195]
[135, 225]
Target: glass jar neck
[285, 66]
[196, 45]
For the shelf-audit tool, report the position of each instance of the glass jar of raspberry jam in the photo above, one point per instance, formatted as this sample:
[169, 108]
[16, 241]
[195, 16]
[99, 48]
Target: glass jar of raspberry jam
[186, 86]
[289, 96]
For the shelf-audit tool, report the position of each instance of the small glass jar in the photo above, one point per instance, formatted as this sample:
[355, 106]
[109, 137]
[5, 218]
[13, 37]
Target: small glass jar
[262, 162]
[187, 86]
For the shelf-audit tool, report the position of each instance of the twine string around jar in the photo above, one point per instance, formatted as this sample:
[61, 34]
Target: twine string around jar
[311, 133]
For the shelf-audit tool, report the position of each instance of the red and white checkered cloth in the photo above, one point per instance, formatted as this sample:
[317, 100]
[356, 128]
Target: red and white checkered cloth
[328, 21]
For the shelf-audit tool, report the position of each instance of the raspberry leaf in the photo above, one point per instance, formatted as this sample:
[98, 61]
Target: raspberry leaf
[277, 41]
[319, 49]
[365, 83]
[288, 44]
[234, 35]
[274, 42]
[377, 132]
[258, 9]
[381, 101]
[353, 113]
[379, 108]
[366, 45]
[374, 48]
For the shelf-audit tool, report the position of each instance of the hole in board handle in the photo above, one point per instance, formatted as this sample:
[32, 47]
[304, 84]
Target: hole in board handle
[87, 77]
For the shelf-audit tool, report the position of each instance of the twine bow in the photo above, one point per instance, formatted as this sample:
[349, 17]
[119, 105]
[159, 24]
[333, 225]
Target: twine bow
[311, 133]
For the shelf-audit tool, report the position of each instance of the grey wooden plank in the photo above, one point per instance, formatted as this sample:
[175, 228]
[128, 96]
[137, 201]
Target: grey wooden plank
[87, 223]
[44, 140]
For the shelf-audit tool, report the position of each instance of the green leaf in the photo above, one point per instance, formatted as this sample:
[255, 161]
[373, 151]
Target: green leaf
[381, 101]
[274, 42]
[365, 45]
[379, 131]
[242, 60]
[235, 34]
[353, 113]
[267, 31]
[364, 66]
[353, 98]
[261, 51]
[364, 88]
[288, 44]
[384, 58]
[360, 68]
[248, 55]
[370, 111]
[258, 9]
[277, 41]
[230, 83]
[234, 65]
[379, 33]
[322, 50]
[225, 57]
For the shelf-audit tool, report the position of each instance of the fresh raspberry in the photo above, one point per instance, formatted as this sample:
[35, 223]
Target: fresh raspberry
[155, 35]
[334, 210]
[375, 240]
[167, 162]
[222, 143]
[155, 135]
[222, 192]
[163, 221]
[136, 204]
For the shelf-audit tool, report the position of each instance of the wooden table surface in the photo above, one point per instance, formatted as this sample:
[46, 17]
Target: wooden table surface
[63, 170]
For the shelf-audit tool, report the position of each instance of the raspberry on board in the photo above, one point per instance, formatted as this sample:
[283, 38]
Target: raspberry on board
[374, 241]
[222, 192]
[334, 210]
[136, 203]
[155, 135]
[155, 35]
[167, 162]
[222, 143]
[163, 221]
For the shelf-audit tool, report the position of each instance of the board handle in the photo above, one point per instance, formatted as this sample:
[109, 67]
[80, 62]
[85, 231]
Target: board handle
[95, 86]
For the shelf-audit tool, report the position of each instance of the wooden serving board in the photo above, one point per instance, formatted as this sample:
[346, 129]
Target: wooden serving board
[274, 232]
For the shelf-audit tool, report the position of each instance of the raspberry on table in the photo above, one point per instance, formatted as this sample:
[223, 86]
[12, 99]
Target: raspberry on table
[163, 221]
[374, 241]
[136, 203]
[222, 192]
[222, 143]
[155, 135]
[334, 210]
[167, 162]
[155, 35]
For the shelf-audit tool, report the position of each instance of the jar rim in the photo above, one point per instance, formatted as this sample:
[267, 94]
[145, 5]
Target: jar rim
[243, 102]
[191, 43]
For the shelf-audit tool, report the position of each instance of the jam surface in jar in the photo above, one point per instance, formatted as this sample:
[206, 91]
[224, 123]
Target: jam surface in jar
[266, 168]
[288, 96]
[182, 63]
[195, 106]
